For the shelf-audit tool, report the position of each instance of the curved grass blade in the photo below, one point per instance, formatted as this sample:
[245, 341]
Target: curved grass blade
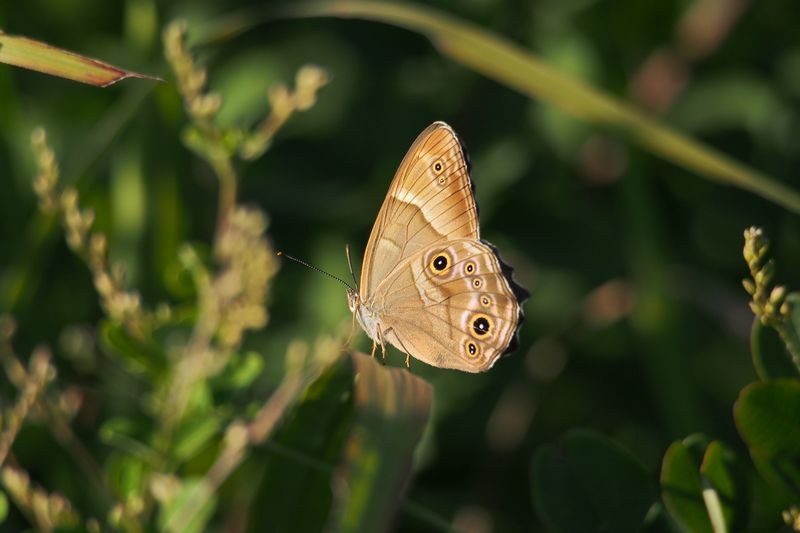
[35, 55]
[392, 406]
[517, 68]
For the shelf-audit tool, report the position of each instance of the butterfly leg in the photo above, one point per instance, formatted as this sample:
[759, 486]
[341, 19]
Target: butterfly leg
[383, 345]
[408, 361]
[374, 346]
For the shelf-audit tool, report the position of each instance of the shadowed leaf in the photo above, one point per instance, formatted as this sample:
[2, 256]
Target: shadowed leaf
[682, 486]
[392, 406]
[768, 351]
[295, 495]
[591, 484]
[723, 473]
[42, 57]
[767, 415]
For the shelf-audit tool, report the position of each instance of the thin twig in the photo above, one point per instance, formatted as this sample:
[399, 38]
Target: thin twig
[37, 377]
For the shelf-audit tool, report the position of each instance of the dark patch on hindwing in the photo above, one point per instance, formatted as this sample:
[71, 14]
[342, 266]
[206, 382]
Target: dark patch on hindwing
[520, 294]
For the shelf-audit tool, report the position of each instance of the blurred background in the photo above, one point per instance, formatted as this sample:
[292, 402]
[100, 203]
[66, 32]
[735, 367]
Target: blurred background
[637, 326]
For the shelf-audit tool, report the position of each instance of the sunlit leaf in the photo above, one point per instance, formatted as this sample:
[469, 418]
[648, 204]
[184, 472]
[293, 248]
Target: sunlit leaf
[42, 57]
[392, 406]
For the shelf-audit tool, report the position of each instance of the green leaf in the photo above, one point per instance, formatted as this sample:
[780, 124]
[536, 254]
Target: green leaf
[240, 372]
[141, 355]
[126, 473]
[793, 330]
[768, 417]
[560, 501]
[392, 406]
[682, 486]
[517, 68]
[591, 484]
[722, 472]
[770, 358]
[294, 493]
[128, 435]
[182, 509]
[193, 434]
[41, 57]
[3, 506]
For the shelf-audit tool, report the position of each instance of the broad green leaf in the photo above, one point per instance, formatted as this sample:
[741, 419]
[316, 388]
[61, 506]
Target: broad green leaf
[768, 417]
[591, 484]
[770, 358]
[392, 406]
[558, 497]
[294, 494]
[682, 486]
[42, 57]
[519, 69]
[139, 355]
[724, 475]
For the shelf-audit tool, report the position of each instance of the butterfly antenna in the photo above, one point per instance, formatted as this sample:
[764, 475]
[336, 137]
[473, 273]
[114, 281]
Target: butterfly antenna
[312, 267]
[350, 265]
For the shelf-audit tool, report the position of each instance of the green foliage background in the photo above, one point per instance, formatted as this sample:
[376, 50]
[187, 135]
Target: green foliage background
[637, 328]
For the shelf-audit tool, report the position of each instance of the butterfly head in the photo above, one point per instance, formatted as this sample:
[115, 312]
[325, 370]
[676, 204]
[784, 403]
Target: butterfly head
[353, 300]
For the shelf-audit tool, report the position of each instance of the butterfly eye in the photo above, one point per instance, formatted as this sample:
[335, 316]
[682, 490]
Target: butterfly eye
[481, 325]
[440, 263]
[470, 268]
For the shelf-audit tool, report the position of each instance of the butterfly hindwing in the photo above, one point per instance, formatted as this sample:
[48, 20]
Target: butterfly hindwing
[452, 306]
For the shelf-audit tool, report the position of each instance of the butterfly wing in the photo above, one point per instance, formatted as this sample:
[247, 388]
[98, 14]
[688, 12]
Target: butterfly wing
[430, 200]
[453, 305]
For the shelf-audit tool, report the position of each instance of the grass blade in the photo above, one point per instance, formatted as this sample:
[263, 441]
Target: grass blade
[42, 57]
[517, 68]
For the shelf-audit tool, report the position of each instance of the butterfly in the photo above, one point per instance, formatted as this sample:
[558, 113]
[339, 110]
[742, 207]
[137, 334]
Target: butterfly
[429, 285]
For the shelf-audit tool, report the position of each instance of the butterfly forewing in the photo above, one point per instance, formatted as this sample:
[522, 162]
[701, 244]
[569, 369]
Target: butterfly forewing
[430, 200]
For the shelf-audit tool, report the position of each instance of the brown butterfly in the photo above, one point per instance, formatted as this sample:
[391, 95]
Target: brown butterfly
[429, 285]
